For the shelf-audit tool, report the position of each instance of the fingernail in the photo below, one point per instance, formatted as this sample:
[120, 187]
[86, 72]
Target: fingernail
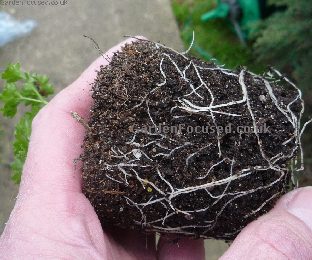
[300, 205]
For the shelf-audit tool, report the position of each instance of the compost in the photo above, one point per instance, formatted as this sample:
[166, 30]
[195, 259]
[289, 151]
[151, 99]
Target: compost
[178, 145]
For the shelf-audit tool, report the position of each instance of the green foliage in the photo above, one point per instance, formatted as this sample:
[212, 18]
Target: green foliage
[29, 90]
[284, 40]
[181, 11]
[213, 39]
[12, 73]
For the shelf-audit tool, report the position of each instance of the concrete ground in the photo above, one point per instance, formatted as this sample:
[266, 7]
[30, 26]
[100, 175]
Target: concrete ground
[57, 48]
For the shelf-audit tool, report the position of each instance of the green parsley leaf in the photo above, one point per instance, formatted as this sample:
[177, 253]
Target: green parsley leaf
[12, 73]
[10, 99]
[43, 85]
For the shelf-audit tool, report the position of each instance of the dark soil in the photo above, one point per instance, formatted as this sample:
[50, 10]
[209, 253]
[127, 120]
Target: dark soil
[205, 184]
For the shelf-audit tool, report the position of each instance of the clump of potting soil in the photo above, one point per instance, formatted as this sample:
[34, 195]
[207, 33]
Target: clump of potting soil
[177, 145]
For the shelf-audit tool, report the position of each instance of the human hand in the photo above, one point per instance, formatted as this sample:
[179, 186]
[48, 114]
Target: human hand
[284, 233]
[53, 219]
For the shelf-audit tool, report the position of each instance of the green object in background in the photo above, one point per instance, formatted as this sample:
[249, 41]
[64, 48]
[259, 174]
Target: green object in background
[221, 11]
[241, 13]
[250, 12]
[214, 41]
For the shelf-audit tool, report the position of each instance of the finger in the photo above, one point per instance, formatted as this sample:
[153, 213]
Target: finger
[284, 233]
[183, 249]
[56, 137]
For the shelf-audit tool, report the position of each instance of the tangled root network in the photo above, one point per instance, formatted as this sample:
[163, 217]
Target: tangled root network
[197, 178]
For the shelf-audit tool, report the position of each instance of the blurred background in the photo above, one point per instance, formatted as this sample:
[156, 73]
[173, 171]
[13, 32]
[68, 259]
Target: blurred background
[48, 39]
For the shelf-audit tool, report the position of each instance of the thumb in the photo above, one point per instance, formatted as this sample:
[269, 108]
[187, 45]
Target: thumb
[284, 233]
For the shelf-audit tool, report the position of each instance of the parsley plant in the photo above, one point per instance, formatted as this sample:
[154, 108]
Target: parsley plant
[22, 89]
